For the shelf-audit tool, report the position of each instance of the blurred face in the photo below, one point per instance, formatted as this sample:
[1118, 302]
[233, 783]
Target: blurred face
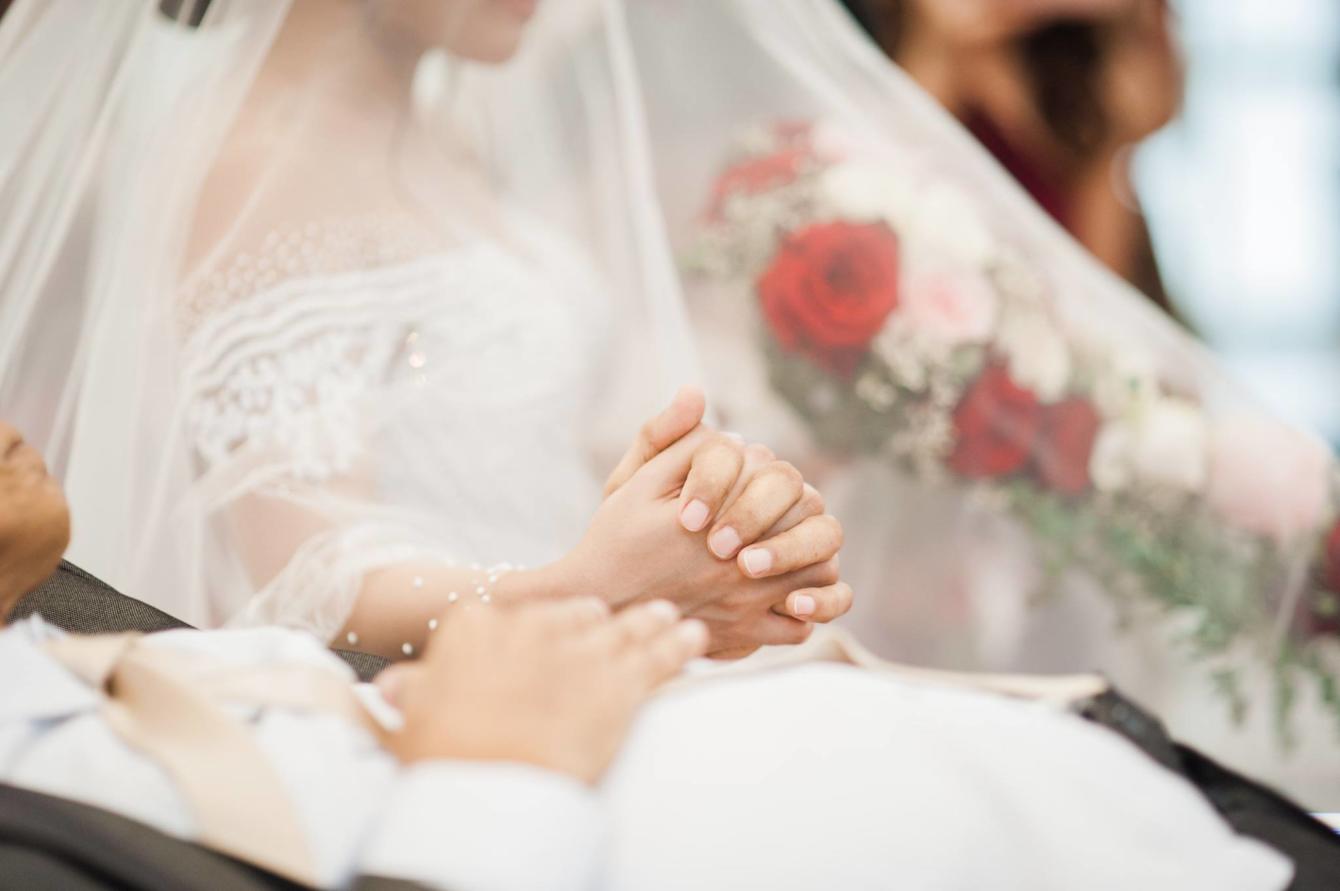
[986, 21]
[34, 521]
[488, 31]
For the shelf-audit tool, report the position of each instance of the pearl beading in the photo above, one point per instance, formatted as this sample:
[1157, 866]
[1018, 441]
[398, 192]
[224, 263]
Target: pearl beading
[481, 587]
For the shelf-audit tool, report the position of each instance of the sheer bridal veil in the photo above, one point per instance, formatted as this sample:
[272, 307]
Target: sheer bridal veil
[1036, 471]
[291, 294]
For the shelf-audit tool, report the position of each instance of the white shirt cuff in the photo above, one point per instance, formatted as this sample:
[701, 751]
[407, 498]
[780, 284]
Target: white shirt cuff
[487, 826]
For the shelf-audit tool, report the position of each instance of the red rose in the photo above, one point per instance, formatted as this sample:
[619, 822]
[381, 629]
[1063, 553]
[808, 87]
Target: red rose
[997, 423]
[757, 175]
[1065, 444]
[829, 290]
[1331, 559]
[1318, 612]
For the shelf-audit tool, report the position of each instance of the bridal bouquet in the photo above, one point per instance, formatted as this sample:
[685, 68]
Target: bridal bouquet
[897, 324]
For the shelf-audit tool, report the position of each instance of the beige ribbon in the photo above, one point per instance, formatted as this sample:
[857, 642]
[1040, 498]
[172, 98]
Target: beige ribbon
[837, 646]
[166, 704]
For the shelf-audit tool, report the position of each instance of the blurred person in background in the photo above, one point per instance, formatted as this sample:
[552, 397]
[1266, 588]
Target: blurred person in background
[1059, 91]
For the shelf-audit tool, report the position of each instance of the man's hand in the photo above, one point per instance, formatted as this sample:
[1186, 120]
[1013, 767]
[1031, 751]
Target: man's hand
[34, 521]
[553, 684]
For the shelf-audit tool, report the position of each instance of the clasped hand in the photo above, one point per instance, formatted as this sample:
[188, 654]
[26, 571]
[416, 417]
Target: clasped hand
[728, 533]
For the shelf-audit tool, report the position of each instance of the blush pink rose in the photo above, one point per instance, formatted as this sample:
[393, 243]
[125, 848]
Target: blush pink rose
[948, 306]
[1268, 478]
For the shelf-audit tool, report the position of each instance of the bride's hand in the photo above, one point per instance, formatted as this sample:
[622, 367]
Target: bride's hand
[635, 550]
[743, 496]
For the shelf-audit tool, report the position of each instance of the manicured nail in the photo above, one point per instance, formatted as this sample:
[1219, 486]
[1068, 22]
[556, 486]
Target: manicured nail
[663, 610]
[757, 561]
[734, 437]
[803, 605]
[724, 542]
[694, 516]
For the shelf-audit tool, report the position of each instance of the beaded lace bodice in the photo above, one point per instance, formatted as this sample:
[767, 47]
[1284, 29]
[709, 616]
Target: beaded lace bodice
[447, 388]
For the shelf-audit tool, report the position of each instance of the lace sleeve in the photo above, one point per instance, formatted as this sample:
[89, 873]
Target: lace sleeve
[354, 415]
[295, 360]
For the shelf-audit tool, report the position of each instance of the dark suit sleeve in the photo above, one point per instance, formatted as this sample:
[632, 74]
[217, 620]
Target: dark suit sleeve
[80, 603]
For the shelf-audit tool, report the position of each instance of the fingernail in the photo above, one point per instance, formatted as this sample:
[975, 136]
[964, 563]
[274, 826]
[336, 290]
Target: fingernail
[694, 515]
[735, 437]
[693, 632]
[664, 610]
[757, 561]
[724, 542]
[803, 605]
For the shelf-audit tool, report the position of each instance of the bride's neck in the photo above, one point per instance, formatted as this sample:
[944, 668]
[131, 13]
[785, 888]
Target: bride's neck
[341, 45]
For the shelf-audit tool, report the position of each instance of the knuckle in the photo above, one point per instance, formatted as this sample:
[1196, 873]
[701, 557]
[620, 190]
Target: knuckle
[759, 453]
[833, 528]
[735, 604]
[784, 474]
[744, 516]
[720, 442]
[729, 443]
[718, 459]
[813, 501]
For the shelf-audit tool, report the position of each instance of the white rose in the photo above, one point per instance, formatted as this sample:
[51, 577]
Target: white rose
[947, 218]
[1110, 462]
[1170, 445]
[1037, 352]
[864, 191]
[835, 142]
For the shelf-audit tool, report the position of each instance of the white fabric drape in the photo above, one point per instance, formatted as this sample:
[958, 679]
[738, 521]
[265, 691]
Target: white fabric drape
[1036, 470]
[281, 317]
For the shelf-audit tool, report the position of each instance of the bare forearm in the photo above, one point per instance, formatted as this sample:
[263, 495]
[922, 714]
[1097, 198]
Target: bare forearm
[400, 606]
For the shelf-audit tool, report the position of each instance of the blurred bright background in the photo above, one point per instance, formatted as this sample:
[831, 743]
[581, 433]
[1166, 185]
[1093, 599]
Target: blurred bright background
[1242, 194]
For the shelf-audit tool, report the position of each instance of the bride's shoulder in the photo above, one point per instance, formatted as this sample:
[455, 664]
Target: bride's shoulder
[289, 252]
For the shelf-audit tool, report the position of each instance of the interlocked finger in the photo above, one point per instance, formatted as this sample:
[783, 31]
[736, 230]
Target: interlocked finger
[773, 491]
[770, 630]
[716, 467]
[821, 605]
[683, 415]
[816, 540]
[811, 504]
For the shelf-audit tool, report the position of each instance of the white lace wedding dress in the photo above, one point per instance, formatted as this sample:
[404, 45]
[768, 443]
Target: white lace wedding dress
[411, 401]
[820, 775]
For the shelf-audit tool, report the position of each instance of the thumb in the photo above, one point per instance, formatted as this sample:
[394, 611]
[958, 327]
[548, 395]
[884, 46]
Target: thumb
[683, 415]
